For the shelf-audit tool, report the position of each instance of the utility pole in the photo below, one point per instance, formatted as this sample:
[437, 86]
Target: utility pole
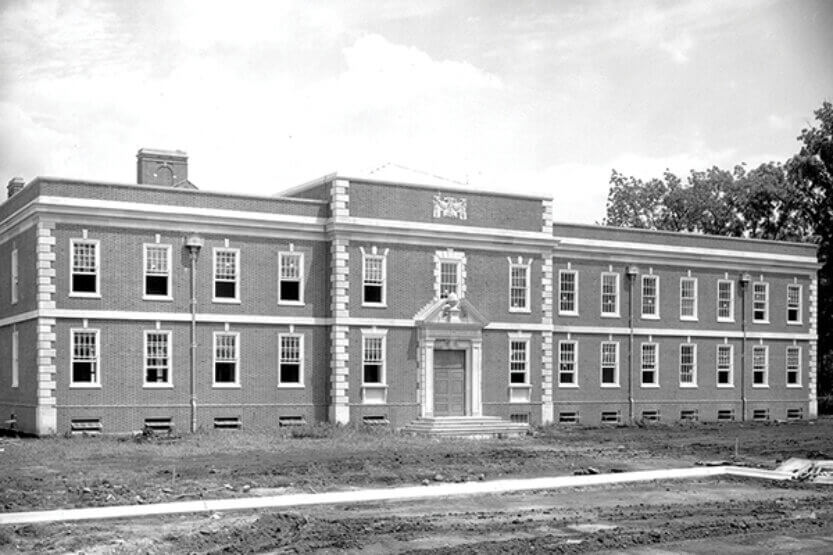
[194, 244]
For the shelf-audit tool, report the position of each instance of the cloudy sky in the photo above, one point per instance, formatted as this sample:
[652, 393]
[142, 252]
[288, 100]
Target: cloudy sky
[540, 97]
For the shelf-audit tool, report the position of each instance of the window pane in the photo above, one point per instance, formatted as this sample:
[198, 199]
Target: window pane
[226, 265]
[449, 278]
[567, 292]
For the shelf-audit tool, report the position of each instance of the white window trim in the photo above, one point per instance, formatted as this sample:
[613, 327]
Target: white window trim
[766, 309]
[383, 256]
[15, 276]
[157, 385]
[617, 382]
[575, 383]
[731, 317]
[798, 384]
[575, 293]
[514, 388]
[85, 385]
[617, 313]
[225, 385]
[645, 316]
[655, 383]
[15, 359]
[450, 256]
[694, 317]
[764, 385]
[731, 383]
[301, 362]
[527, 267]
[800, 320]
[693, 384]
[145, 296]
[383, 384]
[97, 294]
[226, 300]
[301, 277]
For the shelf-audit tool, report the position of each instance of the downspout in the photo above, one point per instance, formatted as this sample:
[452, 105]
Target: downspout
[194, 243]
[632, 272]
[744, 281]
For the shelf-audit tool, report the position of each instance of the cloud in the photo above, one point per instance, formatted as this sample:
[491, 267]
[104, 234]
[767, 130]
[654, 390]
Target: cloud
[779, 122]
[678, 47]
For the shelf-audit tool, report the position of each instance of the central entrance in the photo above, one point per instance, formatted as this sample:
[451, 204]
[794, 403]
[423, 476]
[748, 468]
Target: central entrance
[449, 382]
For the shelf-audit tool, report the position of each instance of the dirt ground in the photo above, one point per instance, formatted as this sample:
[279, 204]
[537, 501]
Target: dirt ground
[725, 515]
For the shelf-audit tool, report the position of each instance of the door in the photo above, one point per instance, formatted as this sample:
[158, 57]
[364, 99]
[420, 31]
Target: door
[449, 377]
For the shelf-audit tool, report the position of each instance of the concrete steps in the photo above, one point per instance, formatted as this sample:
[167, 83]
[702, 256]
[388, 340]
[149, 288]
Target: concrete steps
[479, 427]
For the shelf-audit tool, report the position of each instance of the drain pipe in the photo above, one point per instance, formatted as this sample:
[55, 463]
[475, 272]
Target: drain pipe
[744, 282]
[194, 244]
[632, 272]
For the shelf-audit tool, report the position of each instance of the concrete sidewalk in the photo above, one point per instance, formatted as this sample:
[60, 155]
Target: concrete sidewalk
[392, 494]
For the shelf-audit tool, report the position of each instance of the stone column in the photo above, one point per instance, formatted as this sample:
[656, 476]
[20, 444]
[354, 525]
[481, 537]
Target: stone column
[547, 405]
[428, 378]
[339, 308]
[477, 377]
[813, 354]
[46, 416]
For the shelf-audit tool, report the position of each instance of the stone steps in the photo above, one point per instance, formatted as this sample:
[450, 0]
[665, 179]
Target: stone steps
[467, 426]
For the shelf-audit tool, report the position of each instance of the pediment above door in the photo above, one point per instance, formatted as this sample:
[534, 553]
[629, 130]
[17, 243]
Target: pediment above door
[450, 313]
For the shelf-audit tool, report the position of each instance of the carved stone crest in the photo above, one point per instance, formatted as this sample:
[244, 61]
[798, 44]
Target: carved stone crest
[449, 207]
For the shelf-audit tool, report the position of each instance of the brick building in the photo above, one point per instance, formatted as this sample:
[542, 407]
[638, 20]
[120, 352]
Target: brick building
[350, 300]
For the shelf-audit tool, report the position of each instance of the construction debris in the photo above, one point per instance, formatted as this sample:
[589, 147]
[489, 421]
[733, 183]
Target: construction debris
[806, 470]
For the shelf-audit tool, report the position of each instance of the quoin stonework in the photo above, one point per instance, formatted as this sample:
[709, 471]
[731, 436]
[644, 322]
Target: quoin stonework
[358, 300]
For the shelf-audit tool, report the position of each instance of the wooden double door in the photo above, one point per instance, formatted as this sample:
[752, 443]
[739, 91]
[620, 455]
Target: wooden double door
[449, 383]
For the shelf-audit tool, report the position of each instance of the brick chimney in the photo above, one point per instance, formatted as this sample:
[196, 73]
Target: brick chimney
[15, 185]
[166, 168]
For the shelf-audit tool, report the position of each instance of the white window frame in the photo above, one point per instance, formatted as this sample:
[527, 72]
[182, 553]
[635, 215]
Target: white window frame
[236, 360]
[301, 277]
[15, 359]
[693, 383]
[214, 297]
[15, 276]
[617, 374]
[374, 254]
[169, 249]
[765, 319]
[85, 385]
[731, 369]
[648, 315]
[72, 243]
[602, 294]
[797, 369]
[157, 385]
[731, 317]
[574, 383]
[526, 268]
[695, 301]
[520, 392]
[375, 393]
[765, 383]
[800, 304]
[655, 346]
[300, 383]
[450, 256]
[562, 273]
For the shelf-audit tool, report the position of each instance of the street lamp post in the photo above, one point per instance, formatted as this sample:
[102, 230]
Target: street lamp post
[632, 272]
[193, 243]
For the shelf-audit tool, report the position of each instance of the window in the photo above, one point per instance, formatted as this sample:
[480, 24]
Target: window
[85, 264]
[226, 275]
[518, 362]
[650, 375]
[157, 358]
[793, 366]
[568, 292]
[610, 294]
[374, 378]
[449, 273]
[793, 304]
[688, 365]
[85, 358]
[725, 366]
[760, 302]
[226, 359]
[610, 363]
[290, 360]
[449, 279]
[519, 286]
[760, 366]
[567, 359]
[15, 359]
[291, 278]
[157, 271]
[650, 296]
[14, 276]
[688, 298]
[374, 274]
[725, 301]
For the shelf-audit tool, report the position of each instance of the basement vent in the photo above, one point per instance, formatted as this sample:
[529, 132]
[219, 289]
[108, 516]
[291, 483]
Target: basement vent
[610, 417]
[568, 418]
[726, 415]
[519, 418]
[795, 414]
[760, 414]
[284, 421]
[227, 423]
[85, 426]
[689, 415]
[650, 415]
[376, 420]
[158, 425]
